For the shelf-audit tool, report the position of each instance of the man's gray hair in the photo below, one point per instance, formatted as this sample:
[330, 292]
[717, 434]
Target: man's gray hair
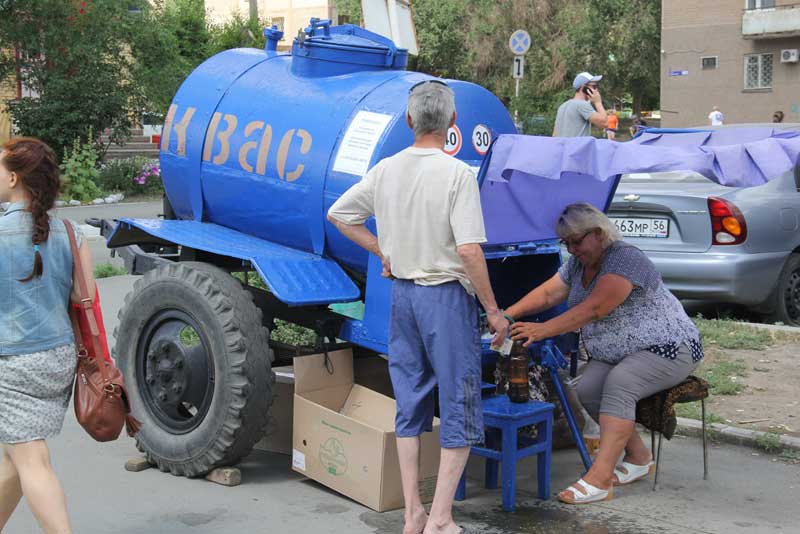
[581, 217]
[431, 107]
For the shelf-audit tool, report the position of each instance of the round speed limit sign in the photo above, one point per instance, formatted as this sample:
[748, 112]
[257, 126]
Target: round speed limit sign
[453, 141]
[481, 139]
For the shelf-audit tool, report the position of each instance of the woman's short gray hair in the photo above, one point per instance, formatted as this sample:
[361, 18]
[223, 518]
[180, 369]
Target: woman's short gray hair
[431, 107]
[581, 217]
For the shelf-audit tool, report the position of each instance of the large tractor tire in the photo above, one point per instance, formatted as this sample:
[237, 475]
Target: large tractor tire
[197, 364]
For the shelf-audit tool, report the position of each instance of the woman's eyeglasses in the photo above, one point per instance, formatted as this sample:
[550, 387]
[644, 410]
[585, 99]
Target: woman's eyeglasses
[572, 243]
[439, 82]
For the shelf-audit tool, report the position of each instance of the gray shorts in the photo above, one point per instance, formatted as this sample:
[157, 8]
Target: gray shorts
[608, 389]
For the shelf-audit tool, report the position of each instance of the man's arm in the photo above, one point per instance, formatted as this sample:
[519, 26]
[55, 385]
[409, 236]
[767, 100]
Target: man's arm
[474, 262]
[599, 118]
[359, 234]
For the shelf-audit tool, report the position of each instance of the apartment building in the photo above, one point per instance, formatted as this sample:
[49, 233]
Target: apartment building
[740, 55]
[289, 15]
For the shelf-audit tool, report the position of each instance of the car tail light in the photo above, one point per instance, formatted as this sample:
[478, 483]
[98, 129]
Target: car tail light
[728, 226]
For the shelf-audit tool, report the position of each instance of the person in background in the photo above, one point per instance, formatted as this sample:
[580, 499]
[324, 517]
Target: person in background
[430, 225]
[716, 118]
[777, 116]
[613, 125]
[37, 346]
[576, 116]
[637, 124]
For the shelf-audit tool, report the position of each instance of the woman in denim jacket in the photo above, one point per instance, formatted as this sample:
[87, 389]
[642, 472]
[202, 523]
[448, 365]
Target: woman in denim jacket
[37, 347]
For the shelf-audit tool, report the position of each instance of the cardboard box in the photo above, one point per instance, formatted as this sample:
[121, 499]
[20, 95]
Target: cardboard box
[344, 435]
[278, 437]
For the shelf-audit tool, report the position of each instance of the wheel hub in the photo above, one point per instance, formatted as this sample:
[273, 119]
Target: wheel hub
[178, 374]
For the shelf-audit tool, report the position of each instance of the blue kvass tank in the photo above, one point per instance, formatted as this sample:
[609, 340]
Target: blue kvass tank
[264, 142]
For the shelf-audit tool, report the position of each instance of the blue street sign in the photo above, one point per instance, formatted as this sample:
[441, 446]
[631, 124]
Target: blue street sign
[520, 42]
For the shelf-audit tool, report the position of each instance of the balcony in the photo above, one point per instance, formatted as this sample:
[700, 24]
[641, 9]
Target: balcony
[771, 23]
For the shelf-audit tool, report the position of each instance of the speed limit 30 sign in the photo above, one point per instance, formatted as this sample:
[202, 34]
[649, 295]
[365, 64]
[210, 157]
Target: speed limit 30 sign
[481, 139]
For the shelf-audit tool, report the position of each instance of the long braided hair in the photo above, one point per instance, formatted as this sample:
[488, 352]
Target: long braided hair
[36, 166]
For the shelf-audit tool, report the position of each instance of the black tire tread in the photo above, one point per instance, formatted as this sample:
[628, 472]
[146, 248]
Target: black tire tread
[247, 341]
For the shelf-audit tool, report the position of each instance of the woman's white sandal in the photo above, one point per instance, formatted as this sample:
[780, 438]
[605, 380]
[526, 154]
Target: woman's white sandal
[634, 472]
[593, 494]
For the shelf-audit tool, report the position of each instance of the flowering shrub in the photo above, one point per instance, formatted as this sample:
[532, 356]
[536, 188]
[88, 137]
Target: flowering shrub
[132, 176]
[150, 171]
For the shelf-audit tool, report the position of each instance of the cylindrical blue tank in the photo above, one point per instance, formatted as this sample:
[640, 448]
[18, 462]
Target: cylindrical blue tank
[264, 142]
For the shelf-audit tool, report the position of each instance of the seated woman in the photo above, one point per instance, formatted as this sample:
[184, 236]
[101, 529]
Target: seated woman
[638, 337]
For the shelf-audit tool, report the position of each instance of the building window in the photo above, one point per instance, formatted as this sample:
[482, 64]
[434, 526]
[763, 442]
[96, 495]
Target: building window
[709, 63]
[277, 21]
[760, 4]
[758, 71]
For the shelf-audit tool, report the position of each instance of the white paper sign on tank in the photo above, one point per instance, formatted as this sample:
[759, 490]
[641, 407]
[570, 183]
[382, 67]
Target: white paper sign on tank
[392, 19]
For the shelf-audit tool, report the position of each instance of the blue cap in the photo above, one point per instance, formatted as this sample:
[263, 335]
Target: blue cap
[583, 78]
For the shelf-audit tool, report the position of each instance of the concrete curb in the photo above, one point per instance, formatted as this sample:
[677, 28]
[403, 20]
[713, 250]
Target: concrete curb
[731, 434]
[773, 327]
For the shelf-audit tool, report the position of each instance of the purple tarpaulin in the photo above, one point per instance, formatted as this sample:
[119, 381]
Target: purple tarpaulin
[531, 179]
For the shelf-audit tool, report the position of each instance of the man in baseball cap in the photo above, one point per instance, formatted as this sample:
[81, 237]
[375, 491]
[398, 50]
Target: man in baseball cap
[576, 116]
[585, 78]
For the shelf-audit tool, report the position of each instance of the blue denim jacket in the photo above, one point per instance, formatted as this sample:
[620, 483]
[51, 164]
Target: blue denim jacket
[33, 315]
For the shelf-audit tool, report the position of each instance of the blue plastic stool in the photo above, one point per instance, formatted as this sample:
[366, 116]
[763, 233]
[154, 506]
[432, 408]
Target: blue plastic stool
[508, 417]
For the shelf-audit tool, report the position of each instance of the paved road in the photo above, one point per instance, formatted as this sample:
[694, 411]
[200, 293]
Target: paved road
[747, 493]
[100, 253]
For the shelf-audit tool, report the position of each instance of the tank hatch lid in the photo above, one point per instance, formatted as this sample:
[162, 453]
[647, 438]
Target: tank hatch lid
[348, 44]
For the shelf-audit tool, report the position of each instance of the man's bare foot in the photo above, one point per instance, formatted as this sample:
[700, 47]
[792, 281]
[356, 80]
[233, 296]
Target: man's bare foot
[447, 528]
[415, 521]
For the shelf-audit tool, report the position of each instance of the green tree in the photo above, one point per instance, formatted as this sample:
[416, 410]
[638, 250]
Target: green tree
[74, 56]
[173, 39]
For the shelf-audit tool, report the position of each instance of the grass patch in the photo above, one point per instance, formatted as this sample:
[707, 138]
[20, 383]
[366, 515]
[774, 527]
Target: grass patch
[733, 334]
[189, 337]
[293, 334]
[769, 442]
[692, 410]
[790, 455]
[723, 376]
[106, 270]
[253, 279]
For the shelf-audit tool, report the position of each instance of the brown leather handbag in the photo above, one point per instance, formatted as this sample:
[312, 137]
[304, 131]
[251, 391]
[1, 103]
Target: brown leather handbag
[101, 400]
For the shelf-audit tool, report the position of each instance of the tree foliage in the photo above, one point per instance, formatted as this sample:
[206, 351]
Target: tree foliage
[468, 40]
[74, 55]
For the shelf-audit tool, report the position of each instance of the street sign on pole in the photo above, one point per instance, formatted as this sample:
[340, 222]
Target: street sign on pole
[518, 70]
[520, 42]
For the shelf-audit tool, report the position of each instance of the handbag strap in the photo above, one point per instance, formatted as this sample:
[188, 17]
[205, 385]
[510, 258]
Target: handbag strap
[85, 303]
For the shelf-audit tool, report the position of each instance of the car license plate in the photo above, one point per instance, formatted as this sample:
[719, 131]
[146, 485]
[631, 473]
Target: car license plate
[642, 227]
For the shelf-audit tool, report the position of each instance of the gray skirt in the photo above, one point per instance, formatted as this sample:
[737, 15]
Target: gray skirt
[35, 389]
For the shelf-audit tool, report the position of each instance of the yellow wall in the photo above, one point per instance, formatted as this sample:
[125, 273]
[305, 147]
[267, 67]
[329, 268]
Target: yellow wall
[8, 91]
[295, 13]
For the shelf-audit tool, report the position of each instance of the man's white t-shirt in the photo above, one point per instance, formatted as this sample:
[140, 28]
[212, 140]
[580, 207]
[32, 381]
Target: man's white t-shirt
[426, 204]
[716, 118]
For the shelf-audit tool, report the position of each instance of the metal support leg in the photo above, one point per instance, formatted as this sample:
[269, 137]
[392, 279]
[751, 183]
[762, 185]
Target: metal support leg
[658, 461]
[705, 445]
[573, 426]
[544, 459]
[653, 444]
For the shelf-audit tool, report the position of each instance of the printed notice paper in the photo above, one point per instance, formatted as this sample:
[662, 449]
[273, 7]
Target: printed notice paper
[360, 140]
